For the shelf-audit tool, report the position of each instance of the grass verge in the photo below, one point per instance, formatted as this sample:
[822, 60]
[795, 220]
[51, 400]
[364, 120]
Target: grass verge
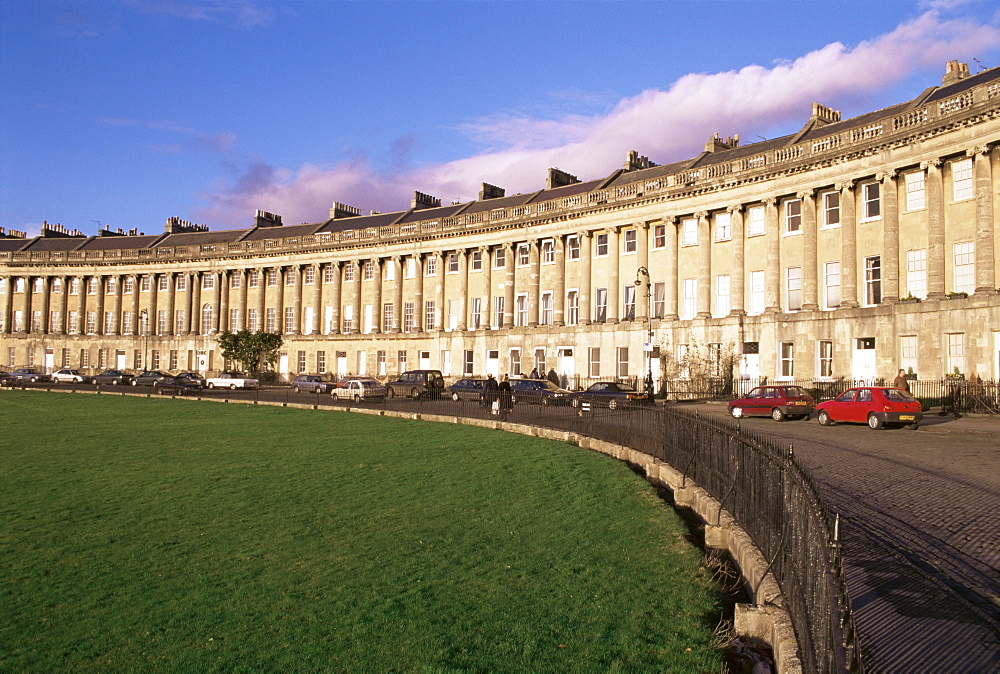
[171, 534]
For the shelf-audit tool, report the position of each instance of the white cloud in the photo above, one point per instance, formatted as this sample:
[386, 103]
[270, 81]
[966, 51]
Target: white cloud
[665, 125]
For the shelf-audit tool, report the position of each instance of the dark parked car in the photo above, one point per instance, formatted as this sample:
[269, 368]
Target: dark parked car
[192, 377]
[113, 377]
[177, 385]
[470, 388]
[608, 393]
[876, 405]
[777, 402]
[539, 392]
[148, 378]
[417, 384]
[27, 374]
[310, 383]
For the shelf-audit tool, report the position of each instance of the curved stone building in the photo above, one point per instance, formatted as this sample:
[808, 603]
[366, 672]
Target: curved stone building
[849, 249]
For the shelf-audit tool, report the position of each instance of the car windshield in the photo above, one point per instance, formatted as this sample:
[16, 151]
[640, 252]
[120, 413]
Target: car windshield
[897, 395]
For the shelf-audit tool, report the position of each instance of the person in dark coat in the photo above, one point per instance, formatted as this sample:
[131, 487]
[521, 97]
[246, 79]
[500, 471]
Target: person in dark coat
[490, 390]
[534, 374]
[553, 376]
[506, 398]
[901, 381]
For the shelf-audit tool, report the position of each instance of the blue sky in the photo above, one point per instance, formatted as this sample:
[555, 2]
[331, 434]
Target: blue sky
[126, 112]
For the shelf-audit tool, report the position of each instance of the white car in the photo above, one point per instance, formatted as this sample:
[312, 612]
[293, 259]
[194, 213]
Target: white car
[66, 376]
[358, 389]
[232, 380]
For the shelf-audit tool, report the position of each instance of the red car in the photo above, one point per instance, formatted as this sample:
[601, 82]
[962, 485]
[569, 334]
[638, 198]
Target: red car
[875, 405]
[777, 402]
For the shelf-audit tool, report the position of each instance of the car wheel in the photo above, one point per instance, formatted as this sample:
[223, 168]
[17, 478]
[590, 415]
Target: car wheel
[612, 404]
[94, 382]
[778, 414]
[211, 385]
[115, 382]
[135, 383]
[454, 396]
[737, 412]
[390, 392]
[232, 387]
[33, 380]
[875, 422]
[414, 393]
[824, 418]
[296, 389]
[914, 426]
[357, 397]
[575, 402]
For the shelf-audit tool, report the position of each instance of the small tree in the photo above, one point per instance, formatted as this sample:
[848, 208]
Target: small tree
[252, 350]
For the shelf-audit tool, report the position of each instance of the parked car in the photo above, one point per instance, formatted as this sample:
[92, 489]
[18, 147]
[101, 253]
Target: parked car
[178, 385]
[470, 388]
[539, 392]
[607, 393]
[148, 378]
[67, 376]
[417, 384]
[878, 406]
[192, 377]
[358, 388]
[777, 402]
[310, 383]
[4, 377]
[27, 374]
[113, 377]
[232, 380]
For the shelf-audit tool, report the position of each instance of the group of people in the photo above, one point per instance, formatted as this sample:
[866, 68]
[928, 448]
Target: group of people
[498, 395]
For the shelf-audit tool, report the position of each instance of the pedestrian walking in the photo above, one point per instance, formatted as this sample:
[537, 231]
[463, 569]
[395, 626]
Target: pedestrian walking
[553, 376]
[901, 381]
[506, 397]
[491, 391]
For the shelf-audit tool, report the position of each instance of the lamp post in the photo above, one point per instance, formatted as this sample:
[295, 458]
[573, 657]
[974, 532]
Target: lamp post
[639, 274]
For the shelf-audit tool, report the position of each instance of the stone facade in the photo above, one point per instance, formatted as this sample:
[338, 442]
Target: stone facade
[849, 249]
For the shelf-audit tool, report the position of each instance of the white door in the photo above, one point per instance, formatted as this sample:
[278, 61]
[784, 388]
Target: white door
[341, 364]
[120, 362]
[493, 363]
[425, 360]
[750, 365]
[863, 365]
[283, 362]
[50, 360]
[201, 360]
[567, 367]
[362, 362]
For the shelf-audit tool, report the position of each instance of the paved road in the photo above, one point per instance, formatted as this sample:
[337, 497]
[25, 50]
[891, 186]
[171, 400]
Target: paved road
[920, 525]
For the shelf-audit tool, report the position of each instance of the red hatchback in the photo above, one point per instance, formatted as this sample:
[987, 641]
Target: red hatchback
[874, 405]
[777, 402]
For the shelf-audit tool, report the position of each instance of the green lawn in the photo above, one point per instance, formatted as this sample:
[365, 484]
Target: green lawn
[173, 534]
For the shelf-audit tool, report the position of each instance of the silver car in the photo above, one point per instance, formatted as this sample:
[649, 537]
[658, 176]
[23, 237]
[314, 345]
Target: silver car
[358, 389]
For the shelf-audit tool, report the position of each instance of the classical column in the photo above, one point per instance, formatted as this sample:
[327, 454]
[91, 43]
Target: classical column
[509, 262]
[153, 305]
[848, 246]
[63, 306]
[171, 295]
[336, 296]
[643, 310]
[317, 299]
[81, 319]
[890, 237]
[6, 305]
[377, 311]
[262, 299]
[135, 304]
[44, 304]
[534, 278]
[703, 301]
[559, 289]
[586, 282]
[935, 229]
[222, 293]
[358, 324]
[486, 315]
[439, 308]
[810, 260]
[670, 251]
[463, 278]
[418, 293]
[99, 305]
[772, 265]
[614, 310]
[397, 262]
[241, 297]
[116, 306]
[296, 305]
[985, 239]
[194, 294]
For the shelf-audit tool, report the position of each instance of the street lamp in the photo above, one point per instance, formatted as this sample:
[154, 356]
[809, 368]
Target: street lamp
[643, 272]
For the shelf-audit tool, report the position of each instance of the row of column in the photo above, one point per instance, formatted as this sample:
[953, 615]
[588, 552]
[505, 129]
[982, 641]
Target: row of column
[222, 295]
